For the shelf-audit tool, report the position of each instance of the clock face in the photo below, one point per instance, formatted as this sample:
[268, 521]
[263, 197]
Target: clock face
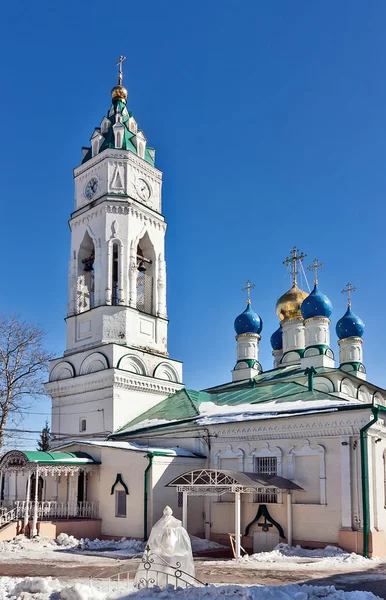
[91, 188]
[143, 189]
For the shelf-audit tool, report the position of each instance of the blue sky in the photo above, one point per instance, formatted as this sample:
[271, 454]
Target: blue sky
[269, 121]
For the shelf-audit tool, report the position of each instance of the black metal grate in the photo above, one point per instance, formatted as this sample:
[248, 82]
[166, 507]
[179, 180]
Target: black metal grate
[145, 293]
[266, 465]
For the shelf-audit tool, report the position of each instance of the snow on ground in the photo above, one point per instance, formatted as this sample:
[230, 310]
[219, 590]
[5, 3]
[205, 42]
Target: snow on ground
[39, 588]
[283, 556]
[66, 546]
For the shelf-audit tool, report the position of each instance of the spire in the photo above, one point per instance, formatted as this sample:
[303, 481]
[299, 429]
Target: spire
[249, 286]
[348, 290]
[314, 267]
[119, 65]
[292, 260]
[119, 92]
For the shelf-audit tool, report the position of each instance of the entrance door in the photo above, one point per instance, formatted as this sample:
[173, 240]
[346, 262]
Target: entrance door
[265, 541]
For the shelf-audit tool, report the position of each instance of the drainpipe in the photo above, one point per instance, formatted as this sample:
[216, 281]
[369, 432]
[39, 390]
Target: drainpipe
[310, 372]
[150, 456]
[365, 479]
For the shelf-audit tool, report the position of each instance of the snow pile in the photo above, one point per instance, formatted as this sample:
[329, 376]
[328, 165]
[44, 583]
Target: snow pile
[236, 592]
[67, 541]
[39, 543]
[200, 545]
[39, 588]
[124, 546]
[46, 588]
[129, 547]
[330, 556]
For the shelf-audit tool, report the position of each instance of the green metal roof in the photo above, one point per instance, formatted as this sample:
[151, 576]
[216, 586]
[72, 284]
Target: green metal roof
[128, 137]
[183, 406]
[64, 458]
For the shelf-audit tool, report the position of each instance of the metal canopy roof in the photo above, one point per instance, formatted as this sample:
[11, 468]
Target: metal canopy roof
[51, 462]
[222, 481]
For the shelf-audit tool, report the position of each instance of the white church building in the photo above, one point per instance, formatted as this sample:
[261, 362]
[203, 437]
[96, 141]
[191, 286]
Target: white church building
[293, 453]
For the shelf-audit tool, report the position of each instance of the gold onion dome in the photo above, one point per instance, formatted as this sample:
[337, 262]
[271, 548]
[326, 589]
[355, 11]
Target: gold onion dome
[119, 93]
[288, 305]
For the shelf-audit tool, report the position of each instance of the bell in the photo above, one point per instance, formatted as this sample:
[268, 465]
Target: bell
[141, 267]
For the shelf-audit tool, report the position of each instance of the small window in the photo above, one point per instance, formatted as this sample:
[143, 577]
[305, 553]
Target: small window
[266, 465]
[120, 504]
[180, 499]
[82, 425]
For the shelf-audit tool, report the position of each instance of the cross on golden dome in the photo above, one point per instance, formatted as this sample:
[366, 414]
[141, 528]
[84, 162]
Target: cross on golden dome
[314, 267]
[292, 260]
[349, 290]
[249, 286]
[119, 65]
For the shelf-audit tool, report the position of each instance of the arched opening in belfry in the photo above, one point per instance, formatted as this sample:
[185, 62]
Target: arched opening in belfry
[145, 275]
[86, 275]
[115, 275]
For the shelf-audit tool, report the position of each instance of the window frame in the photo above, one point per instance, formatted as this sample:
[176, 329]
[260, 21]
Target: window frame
[117, 495]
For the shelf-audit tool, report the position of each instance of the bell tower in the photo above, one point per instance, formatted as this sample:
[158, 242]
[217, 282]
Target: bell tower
[116, 363]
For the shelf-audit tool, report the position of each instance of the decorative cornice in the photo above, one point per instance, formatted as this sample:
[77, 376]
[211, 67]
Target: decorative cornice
[109, 378]
[115, 155]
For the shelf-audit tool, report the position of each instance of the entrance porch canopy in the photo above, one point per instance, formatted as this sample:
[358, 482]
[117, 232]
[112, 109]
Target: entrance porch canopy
[216, 482]
[34, 464]
[48, 463]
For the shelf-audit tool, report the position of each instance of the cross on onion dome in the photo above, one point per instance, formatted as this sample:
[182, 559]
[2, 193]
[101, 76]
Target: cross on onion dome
[349, 289]
[119, 64]
[292, 260]
[250, 286]
[314, 267]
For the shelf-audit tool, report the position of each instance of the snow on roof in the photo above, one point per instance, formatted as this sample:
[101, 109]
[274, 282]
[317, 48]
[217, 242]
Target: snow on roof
[132, 446]
[211, 413]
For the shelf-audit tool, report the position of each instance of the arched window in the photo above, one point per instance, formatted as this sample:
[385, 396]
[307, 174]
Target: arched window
[140, 150]
[118, 140]
[145, 276]
[95, 148]
[115, 275]
[85, 282]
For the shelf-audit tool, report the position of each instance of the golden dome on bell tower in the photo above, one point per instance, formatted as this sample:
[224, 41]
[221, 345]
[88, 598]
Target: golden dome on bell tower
[288, 305]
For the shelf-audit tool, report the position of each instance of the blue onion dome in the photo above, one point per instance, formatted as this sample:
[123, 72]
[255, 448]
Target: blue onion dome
[316, 305]
[248, 322]
[349, 325]
[277, 339]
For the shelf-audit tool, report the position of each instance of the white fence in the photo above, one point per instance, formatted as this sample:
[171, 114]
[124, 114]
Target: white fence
[58, 510]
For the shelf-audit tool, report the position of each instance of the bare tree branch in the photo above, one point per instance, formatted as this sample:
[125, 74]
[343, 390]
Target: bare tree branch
[23, 365]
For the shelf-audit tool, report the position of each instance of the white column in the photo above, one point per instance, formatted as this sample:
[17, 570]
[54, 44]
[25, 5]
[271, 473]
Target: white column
[208, 507]
[185, 510]
[237, 524]
[121, 283]
[35, 516]
[289, 519]
[27, 499]
[133, 276]
[108, 291]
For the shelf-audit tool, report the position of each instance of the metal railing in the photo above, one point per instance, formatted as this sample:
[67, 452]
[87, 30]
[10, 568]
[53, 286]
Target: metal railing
[8, 517]
[48, 509]
[152, 571]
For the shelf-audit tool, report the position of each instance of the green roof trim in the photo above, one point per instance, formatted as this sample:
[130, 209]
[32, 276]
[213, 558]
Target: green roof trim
[54, 458]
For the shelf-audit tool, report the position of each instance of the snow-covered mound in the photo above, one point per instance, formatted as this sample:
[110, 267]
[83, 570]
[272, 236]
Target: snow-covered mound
[39, 543]
[39, 588]
[200, 545]
[330, 555]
